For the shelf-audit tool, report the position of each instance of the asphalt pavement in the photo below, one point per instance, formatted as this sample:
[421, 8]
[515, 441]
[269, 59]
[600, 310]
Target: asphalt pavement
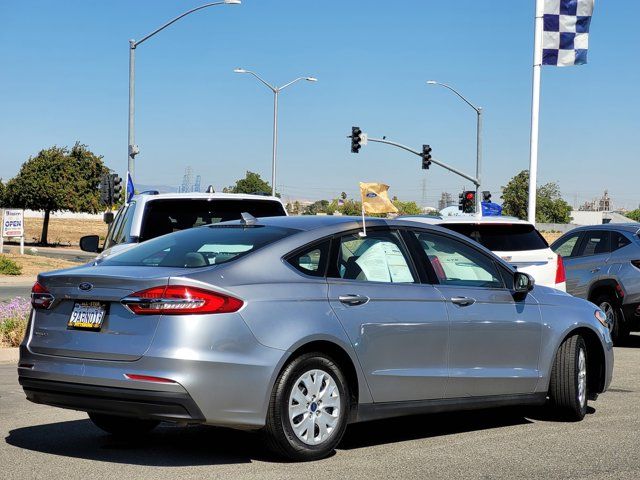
[45, 442]
[8, 292]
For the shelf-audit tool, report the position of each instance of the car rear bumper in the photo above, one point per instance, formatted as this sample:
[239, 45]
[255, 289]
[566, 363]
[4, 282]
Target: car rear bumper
[158, 405]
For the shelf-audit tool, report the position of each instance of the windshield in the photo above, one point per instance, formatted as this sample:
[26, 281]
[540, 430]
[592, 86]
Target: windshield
[170, 215]
[501, 237]
[200, 247]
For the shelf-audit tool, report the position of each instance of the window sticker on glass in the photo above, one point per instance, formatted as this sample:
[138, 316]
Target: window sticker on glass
[384, 262]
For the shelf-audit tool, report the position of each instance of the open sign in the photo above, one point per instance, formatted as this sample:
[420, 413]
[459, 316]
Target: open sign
[13, 223]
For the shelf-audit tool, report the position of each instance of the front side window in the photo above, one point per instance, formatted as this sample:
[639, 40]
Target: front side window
[594, 243]
[567, 247]
[455, 263]
[378, 257]
[200, 247]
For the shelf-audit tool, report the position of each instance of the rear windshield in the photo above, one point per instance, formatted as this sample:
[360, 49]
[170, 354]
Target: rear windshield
[167, 216]
[499, 237]
[200, 247]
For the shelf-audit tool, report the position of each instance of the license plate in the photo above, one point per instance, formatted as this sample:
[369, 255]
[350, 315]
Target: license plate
[87, 315]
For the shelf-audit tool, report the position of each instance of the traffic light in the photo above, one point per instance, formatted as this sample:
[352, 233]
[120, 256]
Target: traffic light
[486, 196]
[116, 188]
[468, 201]
[105, 197]
[356, 139]
[426, 157]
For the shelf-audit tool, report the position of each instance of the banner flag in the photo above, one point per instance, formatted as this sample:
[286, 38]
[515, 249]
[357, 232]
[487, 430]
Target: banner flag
[565, 38]
[375, 198]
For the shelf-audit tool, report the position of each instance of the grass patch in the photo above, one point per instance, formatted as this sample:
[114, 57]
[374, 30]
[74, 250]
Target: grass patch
[9, 267]
[14, 317]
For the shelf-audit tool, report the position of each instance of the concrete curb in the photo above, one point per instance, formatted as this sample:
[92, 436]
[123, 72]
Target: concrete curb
[9, 355]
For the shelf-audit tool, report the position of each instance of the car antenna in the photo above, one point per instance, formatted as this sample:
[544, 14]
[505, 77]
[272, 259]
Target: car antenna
[248, 219]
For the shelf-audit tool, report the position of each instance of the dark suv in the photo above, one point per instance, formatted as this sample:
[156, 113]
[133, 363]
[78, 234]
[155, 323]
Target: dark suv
[602, 264]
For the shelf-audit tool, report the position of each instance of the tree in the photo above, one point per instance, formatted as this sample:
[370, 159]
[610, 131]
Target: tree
[550, 207]
[633, 215]
[2, 190]
[320, 206]
[407, 208]
[57, 179]
[251, 183]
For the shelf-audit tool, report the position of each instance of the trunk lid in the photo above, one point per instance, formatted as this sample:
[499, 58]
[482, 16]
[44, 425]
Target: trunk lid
[123, 335]
[540, 264]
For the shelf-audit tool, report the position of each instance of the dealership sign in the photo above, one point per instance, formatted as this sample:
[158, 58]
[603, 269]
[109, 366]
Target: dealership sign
[13, 223]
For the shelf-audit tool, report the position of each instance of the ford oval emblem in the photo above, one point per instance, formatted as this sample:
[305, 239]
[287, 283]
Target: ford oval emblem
[85, 286]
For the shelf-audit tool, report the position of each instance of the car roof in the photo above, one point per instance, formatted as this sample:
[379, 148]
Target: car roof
[203, 195]
[633, 227]
[312, 222]
[472, 219]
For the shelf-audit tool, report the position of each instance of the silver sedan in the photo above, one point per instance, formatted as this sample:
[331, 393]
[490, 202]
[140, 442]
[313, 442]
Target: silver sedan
[297, 326]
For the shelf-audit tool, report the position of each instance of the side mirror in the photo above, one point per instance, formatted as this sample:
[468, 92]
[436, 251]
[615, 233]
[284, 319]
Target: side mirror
[90, 243]
[523, 282]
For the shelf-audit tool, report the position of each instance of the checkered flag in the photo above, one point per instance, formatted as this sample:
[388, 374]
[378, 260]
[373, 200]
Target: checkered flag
[565, 39]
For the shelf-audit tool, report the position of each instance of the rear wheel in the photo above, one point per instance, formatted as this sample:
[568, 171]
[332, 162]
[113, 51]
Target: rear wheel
[617, 326]
[568, 386]
[122, 426]
[308, 410]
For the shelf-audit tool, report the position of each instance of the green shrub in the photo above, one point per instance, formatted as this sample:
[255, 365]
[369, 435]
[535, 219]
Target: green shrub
[9, 267]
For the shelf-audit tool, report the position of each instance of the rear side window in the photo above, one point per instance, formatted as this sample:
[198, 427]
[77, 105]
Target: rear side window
[200, 247]
[164, 216]
[311, 260]
[499, 237]
[594, 243]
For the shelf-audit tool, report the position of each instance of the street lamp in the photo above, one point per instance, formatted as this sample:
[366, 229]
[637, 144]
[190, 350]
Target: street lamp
[276, 91]
[478, 141]
[133, 44]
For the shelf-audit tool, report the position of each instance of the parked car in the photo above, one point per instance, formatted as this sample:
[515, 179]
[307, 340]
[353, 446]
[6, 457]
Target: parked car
[515, 241]
[603, 266]
[151, 214]
[301, 325]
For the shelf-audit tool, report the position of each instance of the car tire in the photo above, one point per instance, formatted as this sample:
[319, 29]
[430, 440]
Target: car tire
[309, 401]
[122, 426]
[568, 388]
[619, 329]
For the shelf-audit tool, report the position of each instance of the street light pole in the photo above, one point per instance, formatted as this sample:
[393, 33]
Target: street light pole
[478, 111]
[276, 92]
[132, 148]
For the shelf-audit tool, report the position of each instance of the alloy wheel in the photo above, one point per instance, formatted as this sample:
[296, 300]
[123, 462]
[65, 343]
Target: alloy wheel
[582, 378]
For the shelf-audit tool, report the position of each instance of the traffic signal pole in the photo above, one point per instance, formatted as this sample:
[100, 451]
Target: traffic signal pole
[474, 180]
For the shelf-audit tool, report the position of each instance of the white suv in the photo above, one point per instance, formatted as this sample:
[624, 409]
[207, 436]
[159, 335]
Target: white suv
[514, 240]
[151, 214]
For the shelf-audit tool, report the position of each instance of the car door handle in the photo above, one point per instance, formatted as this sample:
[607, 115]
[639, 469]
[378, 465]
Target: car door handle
[353, 300]
[463, 301]
[595, 270]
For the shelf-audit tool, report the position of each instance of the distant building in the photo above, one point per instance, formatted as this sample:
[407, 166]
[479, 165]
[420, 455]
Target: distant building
[446, 200]
[602, 204]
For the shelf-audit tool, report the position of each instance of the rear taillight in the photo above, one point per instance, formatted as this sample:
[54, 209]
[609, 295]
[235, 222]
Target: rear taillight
[180, 300]
[40, 297]
[561, 276]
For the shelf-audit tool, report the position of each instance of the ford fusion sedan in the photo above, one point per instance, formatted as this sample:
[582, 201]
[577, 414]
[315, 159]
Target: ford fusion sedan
[298, 326]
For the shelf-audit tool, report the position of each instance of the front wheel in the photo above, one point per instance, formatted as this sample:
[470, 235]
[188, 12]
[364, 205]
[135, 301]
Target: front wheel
[308, 410]
[122, 426]
[617, 326]
[568, 386]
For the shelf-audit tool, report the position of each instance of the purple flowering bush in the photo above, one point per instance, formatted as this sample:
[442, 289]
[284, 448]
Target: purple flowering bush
[14, 316]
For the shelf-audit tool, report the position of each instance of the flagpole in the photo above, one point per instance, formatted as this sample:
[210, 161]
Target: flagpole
[535, 110]
[363, 233]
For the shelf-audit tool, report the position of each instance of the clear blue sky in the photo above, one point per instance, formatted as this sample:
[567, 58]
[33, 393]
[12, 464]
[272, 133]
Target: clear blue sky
[63, 78]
